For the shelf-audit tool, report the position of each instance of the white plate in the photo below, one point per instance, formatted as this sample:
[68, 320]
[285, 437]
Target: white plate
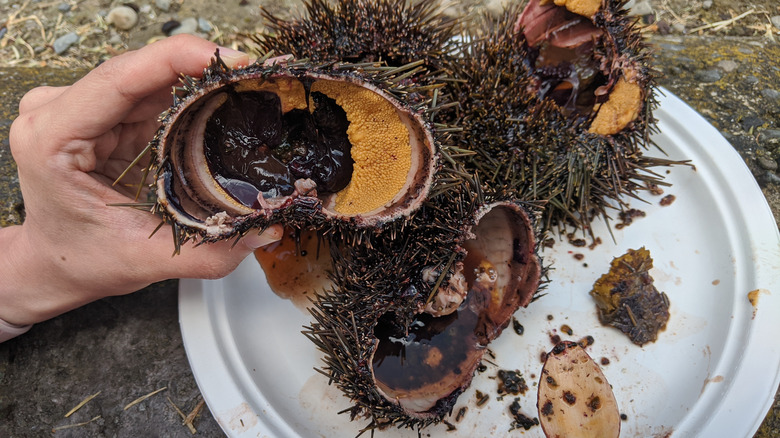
[712, 373]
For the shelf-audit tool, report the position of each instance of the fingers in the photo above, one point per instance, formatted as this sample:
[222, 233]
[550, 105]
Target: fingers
[107, 94]
[39, 96]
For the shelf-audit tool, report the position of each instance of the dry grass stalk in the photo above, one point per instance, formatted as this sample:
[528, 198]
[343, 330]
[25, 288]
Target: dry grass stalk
[142, 398]
[69, 426]
[183, 417]
[191, 417]
[80, 405]
[718, 25]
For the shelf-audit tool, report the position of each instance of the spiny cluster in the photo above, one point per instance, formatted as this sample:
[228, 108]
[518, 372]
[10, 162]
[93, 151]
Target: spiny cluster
[392, 31]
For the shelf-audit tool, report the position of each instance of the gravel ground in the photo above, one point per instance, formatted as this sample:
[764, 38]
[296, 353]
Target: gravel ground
[82, 33]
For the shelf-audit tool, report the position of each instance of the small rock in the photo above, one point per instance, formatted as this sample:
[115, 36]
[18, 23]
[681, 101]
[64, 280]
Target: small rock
[706, 4]
[663, 27]
[188, 25]
[63, 7]
[169, 26]
[767, 163]
[674, 70]
[751, 122]
[204, 25]
[751, 80]
[145, 9]
[711, 75]
[163, 5]
[727, 65]
[640, 8]
[770, 94]
[122, 17]
[64, 42]
[115, 39]
[771, 133]
[775, 21]
[678, 28]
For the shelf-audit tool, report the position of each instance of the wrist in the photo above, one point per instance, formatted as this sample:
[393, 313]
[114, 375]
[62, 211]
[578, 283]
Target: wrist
[33, 288]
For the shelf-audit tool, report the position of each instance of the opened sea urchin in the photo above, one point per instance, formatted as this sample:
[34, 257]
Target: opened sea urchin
[290, 143]
[556, 102]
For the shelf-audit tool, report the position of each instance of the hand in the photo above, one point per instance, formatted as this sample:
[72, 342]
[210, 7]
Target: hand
[70, 144]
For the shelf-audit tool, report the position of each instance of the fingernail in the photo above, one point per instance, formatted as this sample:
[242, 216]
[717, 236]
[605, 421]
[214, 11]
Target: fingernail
[254, 239]
[233, 58]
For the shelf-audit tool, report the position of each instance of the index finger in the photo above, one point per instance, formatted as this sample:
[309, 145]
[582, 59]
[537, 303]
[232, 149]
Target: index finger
[105, 96]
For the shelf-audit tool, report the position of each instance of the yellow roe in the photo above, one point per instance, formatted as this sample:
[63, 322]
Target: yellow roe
[381, 148]
[621, 108]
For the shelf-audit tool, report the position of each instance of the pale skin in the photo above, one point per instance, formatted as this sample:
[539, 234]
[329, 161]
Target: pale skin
[70, 144]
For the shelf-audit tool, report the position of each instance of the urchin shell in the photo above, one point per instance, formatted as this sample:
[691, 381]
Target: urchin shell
[190, 199]
[386, 283]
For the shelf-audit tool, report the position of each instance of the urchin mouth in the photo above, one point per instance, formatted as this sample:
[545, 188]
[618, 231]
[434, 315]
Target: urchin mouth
[562, 57]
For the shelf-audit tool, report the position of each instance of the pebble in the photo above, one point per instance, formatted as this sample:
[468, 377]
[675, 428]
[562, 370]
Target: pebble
[122, 17]
[678, 28]
[771, 133]
[706, 4]
[188, 25]
[204, 25]
[727, 65]
[163, 5]
[639, 8]
[751, 80]
[751, 122]
[707, 75]
[63, 7]
[115, 39]
[169, 26]
[775, 21]
[770, 94]
[767, 163]
[64, 42]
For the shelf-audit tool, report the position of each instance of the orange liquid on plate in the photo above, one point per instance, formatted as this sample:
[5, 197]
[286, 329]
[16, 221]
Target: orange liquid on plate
[296, 273]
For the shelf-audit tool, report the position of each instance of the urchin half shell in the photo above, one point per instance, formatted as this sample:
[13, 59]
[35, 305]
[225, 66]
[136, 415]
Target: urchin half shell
[401, 363]
[249, 147]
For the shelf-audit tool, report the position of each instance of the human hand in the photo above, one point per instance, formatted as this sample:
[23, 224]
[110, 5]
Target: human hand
[70, 144]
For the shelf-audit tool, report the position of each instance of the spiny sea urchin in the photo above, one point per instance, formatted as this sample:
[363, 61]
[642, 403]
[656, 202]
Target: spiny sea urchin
[392, 31]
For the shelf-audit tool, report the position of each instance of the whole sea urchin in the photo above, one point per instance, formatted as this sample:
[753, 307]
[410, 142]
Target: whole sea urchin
[395, 32]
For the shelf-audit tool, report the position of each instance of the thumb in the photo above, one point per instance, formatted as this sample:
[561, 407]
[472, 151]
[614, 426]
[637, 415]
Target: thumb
[216, 260]
[257, 238]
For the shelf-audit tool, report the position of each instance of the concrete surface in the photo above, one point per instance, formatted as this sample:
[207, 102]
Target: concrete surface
[126, 347]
